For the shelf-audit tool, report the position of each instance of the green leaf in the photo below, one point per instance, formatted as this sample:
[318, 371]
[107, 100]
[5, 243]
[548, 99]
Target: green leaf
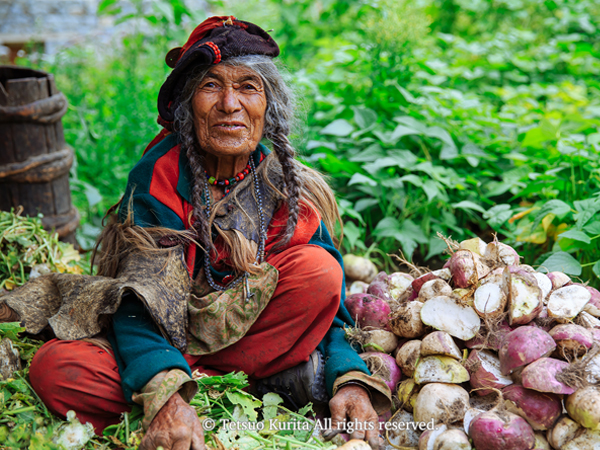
[339, 127]
[436, 247]
[364, 117]
[536, 136]
[246, 401]
[401, 131]
[408, 233]
[431, 189]
[497, 215]
[11, 330]
[556, 207]
[352, 233]
[441, 134]
[364, 203]
[468, 205]
[104, 7]
[411, 122]
[359, 178]
[369, 154]
[576, 235]
[593, 228]
[596, 269]
[562, 262]
[393, 183]
[270, 403]
[413, 179]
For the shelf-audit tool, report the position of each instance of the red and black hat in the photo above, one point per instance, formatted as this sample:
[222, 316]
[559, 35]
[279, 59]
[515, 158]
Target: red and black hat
[214, 40]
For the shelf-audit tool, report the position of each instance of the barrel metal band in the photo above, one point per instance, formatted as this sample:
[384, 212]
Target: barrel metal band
[38, 169]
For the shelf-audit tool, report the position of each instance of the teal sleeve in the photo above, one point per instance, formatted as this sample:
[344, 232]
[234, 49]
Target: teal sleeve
[140, 350]
[340, 357]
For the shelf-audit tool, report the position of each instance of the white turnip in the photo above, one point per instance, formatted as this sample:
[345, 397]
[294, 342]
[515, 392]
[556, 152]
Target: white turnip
[408, 355]
[442, 403]
[489, 300]
[563, 431]
[566, 302]
[434, 288]
[439, 369]
[399, 284]
[524, 295]
[440, 343]
[359, 268]
[501, 254]
[559, 279]
[373, 340]
[406, 321]
[475, 245]
[400, 435]
[445, 314]
[584, 407]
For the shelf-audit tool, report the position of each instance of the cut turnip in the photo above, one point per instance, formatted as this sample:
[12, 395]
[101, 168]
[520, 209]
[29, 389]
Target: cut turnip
[383, 366]
[407, 357]
[524, 296]
[584, 407]
[571, 340]
[565, 303]
[562, 432]
[484, 367]
[406, 320]
[380, 286]
[368, 311]
[559, 279]
[452, 439]
[407, 393]
[489, 300]
[373, 340]
[442, 403]
[544, 284]
[467, 268]
[539, 409]
[359, 268]
[479, 405]
[491, 341]
[593, 306]
[434, 288]
[400, 282]
[429, 437]
[495, 430]
[475, 245]
[540, 375]
[586, 320]
[440, 343]
[399, 434]
[444, 314]
[439, 369]
[358, 287]
[522, 346]
[501, 254]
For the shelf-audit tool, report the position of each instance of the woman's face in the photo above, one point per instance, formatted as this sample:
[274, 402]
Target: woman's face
[229, 111]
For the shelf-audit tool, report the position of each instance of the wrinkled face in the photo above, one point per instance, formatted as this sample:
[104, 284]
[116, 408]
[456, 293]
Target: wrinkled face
[229, 111]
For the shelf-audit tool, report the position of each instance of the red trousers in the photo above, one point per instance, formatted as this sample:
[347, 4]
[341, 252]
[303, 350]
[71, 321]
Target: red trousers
[79, 376]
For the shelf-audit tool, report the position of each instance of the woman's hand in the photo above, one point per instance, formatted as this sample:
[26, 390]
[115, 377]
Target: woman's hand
[175, 427]
[352, 403]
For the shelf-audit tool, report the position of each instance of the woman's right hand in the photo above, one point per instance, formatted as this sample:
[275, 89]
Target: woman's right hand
[175, 427]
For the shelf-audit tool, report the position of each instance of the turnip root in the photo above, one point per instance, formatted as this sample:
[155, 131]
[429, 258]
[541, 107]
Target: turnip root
[373, 340]
[566, 302]
[475, 245]
[540, 442]
[524, 296]
[400, 282]
[408, 355]
[571, 340]
[419, 282]
[492, 341]
[383, 366]
[407, 393]
[584, 407]
[501, 254]
[494, 430]
[484, 368]
[586, 320]
[585, 439]
[467, 268]
[444, 314]
[540, 375]
[452, 439]
[522, 346]
[442, 403]
[428, 438]
[489, 300]
[400, 436]
[406, 320]
[539, 409]
[562, 432]
[544, 284]
[380, 287]
[559, 279]
[439, 369]
[593, 306]
[359, 268]
[434, 288]
[440, 343]
[358, 287]
[368, 311]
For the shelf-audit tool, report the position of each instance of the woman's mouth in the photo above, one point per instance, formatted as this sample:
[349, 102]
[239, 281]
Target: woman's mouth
[230, 126]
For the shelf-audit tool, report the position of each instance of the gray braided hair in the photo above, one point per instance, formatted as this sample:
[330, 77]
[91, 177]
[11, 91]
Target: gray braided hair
[279, 116]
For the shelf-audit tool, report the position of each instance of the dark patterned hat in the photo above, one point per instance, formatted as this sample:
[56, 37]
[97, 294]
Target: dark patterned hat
[214, 40]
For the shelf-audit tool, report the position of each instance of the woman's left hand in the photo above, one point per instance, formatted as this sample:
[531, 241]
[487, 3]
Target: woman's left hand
[352, 404]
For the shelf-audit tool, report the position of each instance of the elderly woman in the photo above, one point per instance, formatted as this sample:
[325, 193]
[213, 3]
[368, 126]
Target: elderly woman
[268, 286]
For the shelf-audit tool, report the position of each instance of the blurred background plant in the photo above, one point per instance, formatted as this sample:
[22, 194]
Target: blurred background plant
[467, 118]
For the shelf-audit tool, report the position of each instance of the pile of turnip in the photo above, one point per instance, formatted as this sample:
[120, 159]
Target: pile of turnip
[494, 353]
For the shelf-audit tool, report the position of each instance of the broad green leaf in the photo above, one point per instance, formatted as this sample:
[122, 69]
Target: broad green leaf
[246, 401]
[310, 145]
[359, 178]
[339, 127]
[449, 151]
[497, 215]
[401, 131]
[546, 131]
[393, 183]
[104, 7]
[436, 247]
[352, 233]
[441, 134]
[431, 189]
[387, 227]
[576, 235]
[369, 154]
[556, 207]
[408, 233]
[11, 330]
[586, 210]
[593, 228]
[468, 205]
[364, 203]
[562, 262]
[364, 117]
[411, 122]
[413, 179]
[270, 403]
[407, 95]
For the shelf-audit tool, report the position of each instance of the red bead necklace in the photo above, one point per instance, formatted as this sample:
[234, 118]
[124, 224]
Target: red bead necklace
[228, 183]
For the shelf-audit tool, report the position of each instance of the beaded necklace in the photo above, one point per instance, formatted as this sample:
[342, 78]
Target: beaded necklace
[260, 254]
[228, 183]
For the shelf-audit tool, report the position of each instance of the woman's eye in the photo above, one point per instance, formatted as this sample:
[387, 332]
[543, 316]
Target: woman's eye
[250, 87]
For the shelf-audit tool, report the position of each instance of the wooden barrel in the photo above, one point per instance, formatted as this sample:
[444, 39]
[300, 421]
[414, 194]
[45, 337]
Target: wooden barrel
[34, 159]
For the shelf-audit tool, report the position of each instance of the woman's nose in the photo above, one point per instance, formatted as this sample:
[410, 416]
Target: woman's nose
[229, 101]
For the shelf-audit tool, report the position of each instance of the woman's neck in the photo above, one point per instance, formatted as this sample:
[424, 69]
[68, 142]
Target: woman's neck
[222, 167]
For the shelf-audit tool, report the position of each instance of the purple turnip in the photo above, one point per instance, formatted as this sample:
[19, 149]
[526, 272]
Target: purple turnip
[539, 409]
[522, 346]
[484, 367]
[495, 430]
[571, 340]
[383, 366]
[467, 268]
[540, 375]
[368, 311]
